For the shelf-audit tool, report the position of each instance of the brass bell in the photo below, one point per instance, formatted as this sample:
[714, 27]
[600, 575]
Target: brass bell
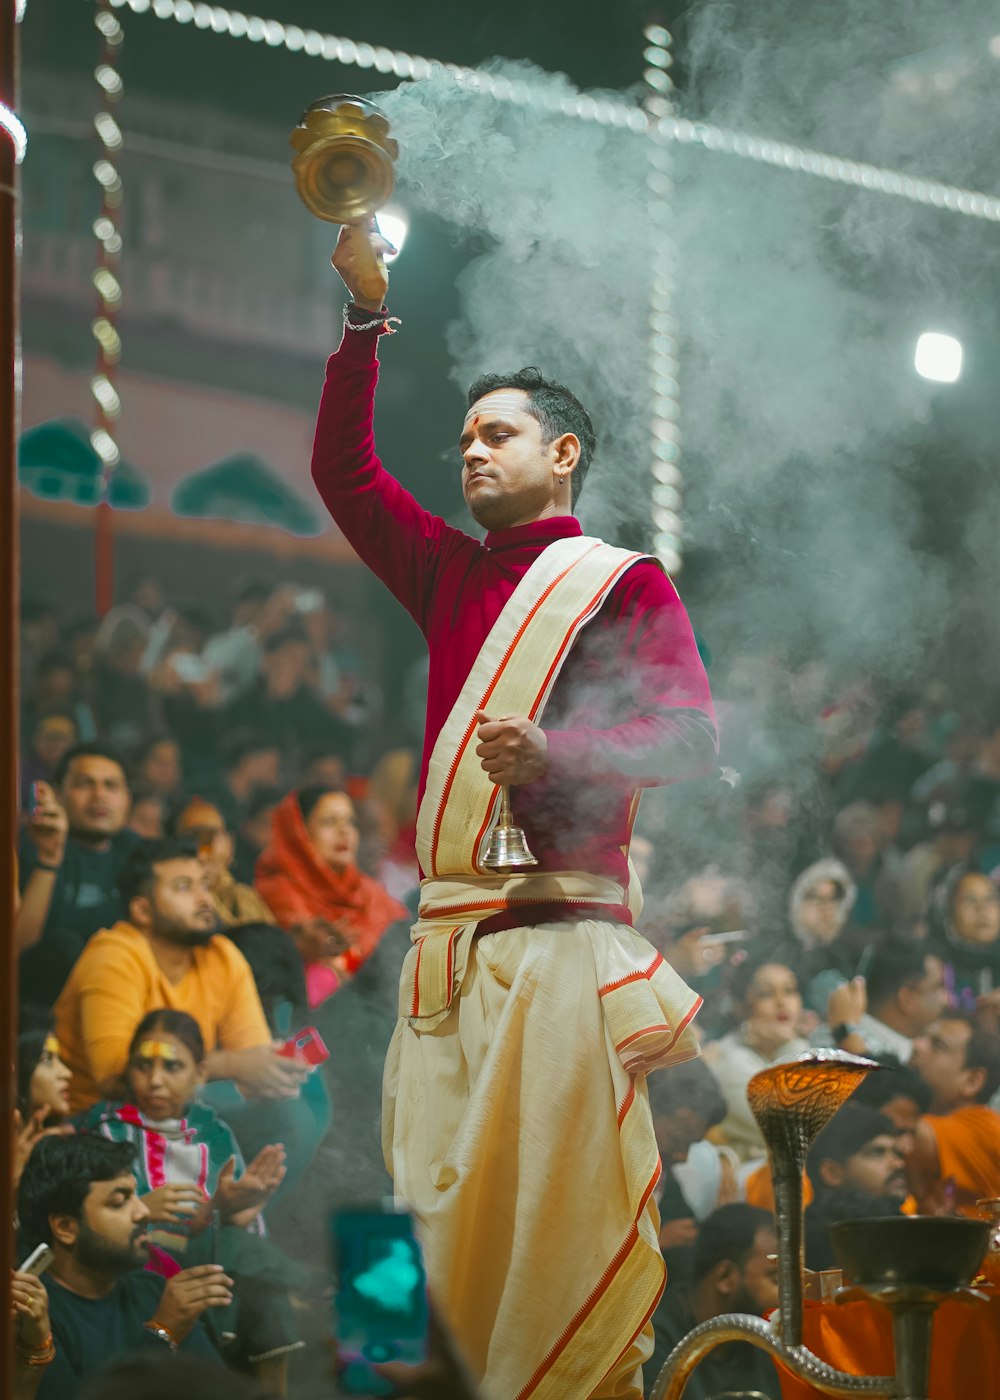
[507, 849]
[344, 158]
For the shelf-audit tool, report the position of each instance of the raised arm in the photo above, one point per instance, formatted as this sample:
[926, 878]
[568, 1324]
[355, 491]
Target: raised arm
[403, 544]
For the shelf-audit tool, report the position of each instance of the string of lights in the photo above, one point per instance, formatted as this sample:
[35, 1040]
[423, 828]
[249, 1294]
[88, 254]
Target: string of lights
[665, 438]
[553, 97]
[107, 231]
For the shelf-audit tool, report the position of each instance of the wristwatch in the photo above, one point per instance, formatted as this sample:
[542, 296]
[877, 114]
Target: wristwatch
[842, 1030]
[155, 1330]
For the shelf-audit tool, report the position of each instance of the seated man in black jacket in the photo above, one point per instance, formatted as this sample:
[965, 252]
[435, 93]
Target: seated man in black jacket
[733, 1270]
[78, 1195]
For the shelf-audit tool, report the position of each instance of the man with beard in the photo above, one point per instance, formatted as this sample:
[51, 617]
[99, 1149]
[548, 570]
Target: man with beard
[733, 1270]
[167, 954]
[78, 1195]
[856, 1170]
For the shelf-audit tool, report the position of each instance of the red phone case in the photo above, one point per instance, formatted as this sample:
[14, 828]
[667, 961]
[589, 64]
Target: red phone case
[306, 1045]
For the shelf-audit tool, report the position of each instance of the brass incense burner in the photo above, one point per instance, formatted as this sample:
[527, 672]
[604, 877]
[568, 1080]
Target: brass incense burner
[344, 167]
[907, 1265]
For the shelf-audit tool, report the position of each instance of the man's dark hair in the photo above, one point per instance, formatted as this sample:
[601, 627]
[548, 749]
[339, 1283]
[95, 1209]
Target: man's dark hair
[982, 1051]
[92, 749]
[895, 1081]
[850, 1129]
[557, 410]
[241, 744]
[176, 1023]
[728, 1233]
[895, 964]
[690, 1085]
[137, 875]
[58, 1176]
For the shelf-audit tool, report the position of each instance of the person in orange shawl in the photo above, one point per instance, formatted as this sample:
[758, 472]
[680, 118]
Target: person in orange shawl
[309, 879]
[956, 1153]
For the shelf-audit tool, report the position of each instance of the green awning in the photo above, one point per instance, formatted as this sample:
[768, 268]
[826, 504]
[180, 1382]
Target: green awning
[244, 488]
[55, 460]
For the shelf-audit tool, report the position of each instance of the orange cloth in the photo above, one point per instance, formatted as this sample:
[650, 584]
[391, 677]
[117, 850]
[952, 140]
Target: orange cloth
[298, 885]
[759, 1188]
[857, 1337]
[968, 1144]
[116, 981]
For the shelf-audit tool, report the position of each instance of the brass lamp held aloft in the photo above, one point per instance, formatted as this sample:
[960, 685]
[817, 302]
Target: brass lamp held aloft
[507, 849]
[343, 166]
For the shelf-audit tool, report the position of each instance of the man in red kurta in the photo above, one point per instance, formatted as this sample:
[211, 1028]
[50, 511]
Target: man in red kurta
[517, 1123]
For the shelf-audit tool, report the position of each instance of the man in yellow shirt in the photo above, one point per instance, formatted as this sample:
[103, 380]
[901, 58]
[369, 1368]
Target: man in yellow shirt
[167, 954]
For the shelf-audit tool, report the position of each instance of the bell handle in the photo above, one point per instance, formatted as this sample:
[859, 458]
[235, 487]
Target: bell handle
[505, 817]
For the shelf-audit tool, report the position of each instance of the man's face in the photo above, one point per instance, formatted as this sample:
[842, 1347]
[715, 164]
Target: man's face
[759, 1291]
[939, 1059]
[924, 1001]
[677, 1132]
[179, 905]
[820, 913]
[508, 472]
[904, 1115]
[111, 1232]
[877, 1168]
[96, 797]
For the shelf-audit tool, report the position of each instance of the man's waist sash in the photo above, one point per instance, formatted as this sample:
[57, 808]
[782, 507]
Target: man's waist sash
[646, 1006]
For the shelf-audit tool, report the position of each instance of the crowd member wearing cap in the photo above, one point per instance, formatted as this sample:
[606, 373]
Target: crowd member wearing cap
[819, 906]
[856, 1170]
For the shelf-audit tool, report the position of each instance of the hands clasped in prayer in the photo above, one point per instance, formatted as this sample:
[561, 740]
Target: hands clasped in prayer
[513, 749]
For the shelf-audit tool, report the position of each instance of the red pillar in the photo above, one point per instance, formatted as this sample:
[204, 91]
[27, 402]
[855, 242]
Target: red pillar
[9, 598]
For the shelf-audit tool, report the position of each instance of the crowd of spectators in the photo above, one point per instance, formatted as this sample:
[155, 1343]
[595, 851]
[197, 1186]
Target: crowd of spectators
[217, 853]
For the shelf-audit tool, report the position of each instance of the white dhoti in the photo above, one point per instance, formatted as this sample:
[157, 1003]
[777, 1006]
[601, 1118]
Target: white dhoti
[516, 1123]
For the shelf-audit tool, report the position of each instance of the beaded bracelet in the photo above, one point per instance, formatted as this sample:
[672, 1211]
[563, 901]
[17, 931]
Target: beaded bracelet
[387, 325]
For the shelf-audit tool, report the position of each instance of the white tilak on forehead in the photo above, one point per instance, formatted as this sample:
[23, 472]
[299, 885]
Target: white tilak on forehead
[497, 403]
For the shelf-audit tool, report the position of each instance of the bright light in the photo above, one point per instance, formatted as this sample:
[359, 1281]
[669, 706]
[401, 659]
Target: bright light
[994, 46]
[14, 127]
[938, 357]
[395, 227]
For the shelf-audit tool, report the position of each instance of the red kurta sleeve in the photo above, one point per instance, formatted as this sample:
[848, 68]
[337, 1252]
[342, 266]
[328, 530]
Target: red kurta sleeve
[642, 663]
[403, 544]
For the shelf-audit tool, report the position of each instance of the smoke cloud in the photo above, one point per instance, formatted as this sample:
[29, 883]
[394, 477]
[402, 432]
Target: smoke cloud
[805, 428]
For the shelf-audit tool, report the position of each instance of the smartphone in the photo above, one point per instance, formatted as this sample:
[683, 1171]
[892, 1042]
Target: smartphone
[381, 1310]
[307, 1044]
[38, 1261]
[733, 935]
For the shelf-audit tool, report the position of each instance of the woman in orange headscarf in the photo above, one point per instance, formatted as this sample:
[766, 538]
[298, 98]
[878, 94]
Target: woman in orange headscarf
[309, 879]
